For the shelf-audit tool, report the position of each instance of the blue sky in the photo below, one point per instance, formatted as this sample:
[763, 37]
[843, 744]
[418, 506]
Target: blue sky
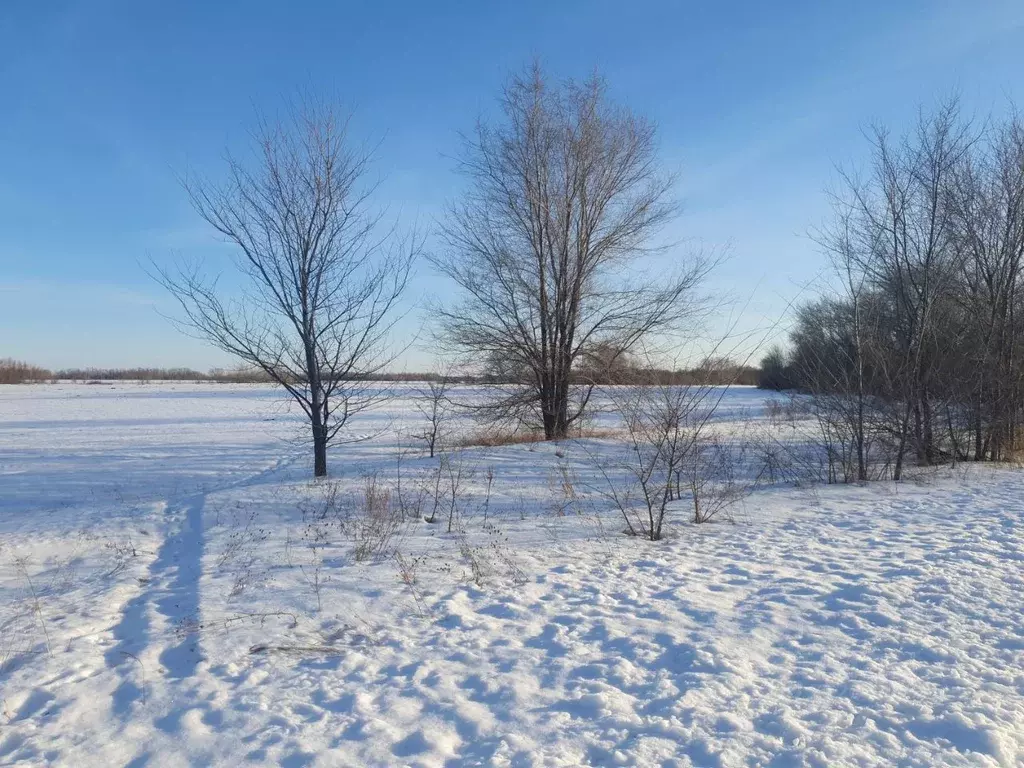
[104, 104]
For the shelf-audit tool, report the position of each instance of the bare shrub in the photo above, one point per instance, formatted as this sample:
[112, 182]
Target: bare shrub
[479, 565]
[122, 551]
[408, 568]
[409, 496]
[441, 491]
[240, 553]
[711, 472]
[433, 403]
[457, 474]
[501, 551]
[662, 425]
[566, 498]
[773, 458]
[320, 519]
[491, 559]
[433, 489]
[376, 524]
[408, 574]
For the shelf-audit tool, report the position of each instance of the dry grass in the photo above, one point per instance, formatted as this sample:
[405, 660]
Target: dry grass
[492, 438]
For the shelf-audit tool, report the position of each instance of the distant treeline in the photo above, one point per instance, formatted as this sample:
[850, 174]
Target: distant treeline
[17, 372]
[716, 376]
[234, 376]
[713, 373]
[218, 375]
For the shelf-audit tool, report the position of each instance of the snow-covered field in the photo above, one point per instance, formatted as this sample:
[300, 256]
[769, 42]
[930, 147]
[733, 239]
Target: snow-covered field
[159, 589]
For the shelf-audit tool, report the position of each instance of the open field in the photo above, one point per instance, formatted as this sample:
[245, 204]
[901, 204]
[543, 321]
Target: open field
[174, 591]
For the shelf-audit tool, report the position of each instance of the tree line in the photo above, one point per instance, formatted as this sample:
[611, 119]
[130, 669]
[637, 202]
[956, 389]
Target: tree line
[17, 372]
[918, 349]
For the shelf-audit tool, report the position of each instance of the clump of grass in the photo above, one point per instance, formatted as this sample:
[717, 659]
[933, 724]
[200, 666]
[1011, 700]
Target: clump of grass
[493, 437]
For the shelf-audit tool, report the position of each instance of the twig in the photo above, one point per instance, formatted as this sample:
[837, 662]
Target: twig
[142, 668]
[38, 607]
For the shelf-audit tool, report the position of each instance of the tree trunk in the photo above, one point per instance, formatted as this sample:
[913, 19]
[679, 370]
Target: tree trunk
[919, 449]
[319, 435]
[319, 451]
[978, 450]
[562, 417]
[862, 469]
[897, 474]
[555, 407]
[927, 430]
[549, 425]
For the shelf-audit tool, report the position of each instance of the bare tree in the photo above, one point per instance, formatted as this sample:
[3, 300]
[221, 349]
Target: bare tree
[17, 372]
[433, 403]
[987, 205]
[565, 195]
[321, 277]
[890, 241]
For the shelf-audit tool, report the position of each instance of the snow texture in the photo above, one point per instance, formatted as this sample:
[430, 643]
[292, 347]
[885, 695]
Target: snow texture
[156, 606]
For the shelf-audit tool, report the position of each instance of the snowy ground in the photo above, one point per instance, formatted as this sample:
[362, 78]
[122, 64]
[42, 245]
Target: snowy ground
[157, 606]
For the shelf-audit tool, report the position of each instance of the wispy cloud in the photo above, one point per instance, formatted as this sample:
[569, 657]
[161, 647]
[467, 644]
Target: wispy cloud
[79, 291]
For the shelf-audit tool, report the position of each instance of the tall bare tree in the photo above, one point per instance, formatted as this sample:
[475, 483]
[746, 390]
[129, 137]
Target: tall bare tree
[921, 350]
[565, 194]
[321, 277]
[892, 235]
[988, 230]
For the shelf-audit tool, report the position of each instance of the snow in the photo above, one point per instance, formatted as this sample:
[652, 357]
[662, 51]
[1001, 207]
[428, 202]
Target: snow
[156, 605]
